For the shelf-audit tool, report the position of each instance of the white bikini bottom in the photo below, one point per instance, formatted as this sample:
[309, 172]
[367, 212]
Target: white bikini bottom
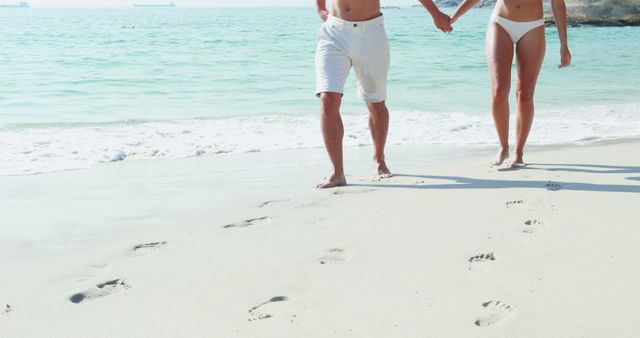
[515, 29]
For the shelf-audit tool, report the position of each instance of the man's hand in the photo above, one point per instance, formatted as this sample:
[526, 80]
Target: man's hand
[442, 22]
[565, 57]
[323, 14]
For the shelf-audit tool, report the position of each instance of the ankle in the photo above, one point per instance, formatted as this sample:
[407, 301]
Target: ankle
[337, 176]
[379, 159]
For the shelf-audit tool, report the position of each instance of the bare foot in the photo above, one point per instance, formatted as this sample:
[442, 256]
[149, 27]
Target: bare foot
[518, 163]
[503, 154]
[383, 170]
[332, 182]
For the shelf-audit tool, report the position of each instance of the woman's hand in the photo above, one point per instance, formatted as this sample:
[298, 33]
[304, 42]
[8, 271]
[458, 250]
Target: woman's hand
[565, 57]
[464, 7]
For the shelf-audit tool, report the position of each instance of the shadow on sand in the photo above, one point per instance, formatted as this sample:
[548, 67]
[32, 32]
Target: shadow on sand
[459, 182]
[580, 168]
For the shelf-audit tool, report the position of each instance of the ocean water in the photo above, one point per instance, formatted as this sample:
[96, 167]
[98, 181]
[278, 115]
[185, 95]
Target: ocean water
[79, 87]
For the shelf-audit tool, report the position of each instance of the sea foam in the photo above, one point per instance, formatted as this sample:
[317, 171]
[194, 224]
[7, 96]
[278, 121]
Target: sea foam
[37, 149]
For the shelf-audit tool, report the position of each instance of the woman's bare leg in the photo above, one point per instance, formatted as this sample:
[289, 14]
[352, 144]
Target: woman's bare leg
[530, 52]
[499, 49]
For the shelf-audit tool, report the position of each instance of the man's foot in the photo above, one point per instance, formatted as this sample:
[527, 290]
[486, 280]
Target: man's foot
[503, 154]
[332, 182]
[383, 171]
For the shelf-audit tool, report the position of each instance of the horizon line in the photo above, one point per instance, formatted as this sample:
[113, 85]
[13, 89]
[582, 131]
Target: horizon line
[183, 6]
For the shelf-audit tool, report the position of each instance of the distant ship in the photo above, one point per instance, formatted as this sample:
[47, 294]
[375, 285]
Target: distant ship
[22, 4]
[171, 4]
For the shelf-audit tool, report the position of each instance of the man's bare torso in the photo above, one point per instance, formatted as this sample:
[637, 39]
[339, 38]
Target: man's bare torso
[519, 10]
[356, 10]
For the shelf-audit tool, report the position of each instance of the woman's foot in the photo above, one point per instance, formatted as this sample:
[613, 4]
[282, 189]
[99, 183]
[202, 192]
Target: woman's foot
[332, 182]
[519, 162]
[503, 154]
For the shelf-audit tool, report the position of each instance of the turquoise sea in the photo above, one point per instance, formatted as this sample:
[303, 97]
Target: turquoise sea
[85, 86]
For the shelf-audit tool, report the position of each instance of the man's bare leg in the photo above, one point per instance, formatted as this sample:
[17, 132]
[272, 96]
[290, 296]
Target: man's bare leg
[500, 59]
[379, 126]
[530, 54]
[333, 132]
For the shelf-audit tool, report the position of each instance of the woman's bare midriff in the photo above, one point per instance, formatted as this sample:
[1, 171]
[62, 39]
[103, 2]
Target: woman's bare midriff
[519, 10]
[356, 10]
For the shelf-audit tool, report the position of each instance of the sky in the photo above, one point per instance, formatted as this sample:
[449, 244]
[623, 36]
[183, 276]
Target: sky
[185, 3]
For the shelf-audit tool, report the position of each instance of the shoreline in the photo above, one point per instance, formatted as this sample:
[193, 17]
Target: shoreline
[41, 150]
[202, 247]
[122, 158]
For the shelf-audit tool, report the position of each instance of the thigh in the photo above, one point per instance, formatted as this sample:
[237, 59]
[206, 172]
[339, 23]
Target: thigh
[530, 52]
[332, 65]
[499, 49]
[371, 66]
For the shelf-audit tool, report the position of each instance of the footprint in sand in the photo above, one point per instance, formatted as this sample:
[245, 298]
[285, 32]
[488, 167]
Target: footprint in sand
[101, 290]
[345, 192]
[532, 226]
[249, 222]
[257, 313]
[273, 203]
[335, 255]
[515, 204]
[7, 309]
[148, 247]
[479, 262]
[551, 186]
[496, 311]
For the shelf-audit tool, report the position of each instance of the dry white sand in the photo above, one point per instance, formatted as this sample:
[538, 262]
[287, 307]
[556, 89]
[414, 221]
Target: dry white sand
[200, 248]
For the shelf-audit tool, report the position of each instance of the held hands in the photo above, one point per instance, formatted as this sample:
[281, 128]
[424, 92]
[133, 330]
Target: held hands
[442, 22]
[565, 57]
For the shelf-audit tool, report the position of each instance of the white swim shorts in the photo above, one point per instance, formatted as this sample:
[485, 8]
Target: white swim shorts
[361, 44]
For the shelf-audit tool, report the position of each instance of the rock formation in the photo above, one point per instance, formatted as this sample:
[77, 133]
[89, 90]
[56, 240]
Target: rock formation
[582, 12]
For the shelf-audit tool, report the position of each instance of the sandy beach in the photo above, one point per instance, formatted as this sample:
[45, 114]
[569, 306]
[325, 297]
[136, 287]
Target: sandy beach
[240, 245]
[158, 165]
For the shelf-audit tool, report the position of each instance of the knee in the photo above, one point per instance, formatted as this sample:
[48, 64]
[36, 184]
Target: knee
[377, 109]
[330, 103]
[500, 93]
[524, 96]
